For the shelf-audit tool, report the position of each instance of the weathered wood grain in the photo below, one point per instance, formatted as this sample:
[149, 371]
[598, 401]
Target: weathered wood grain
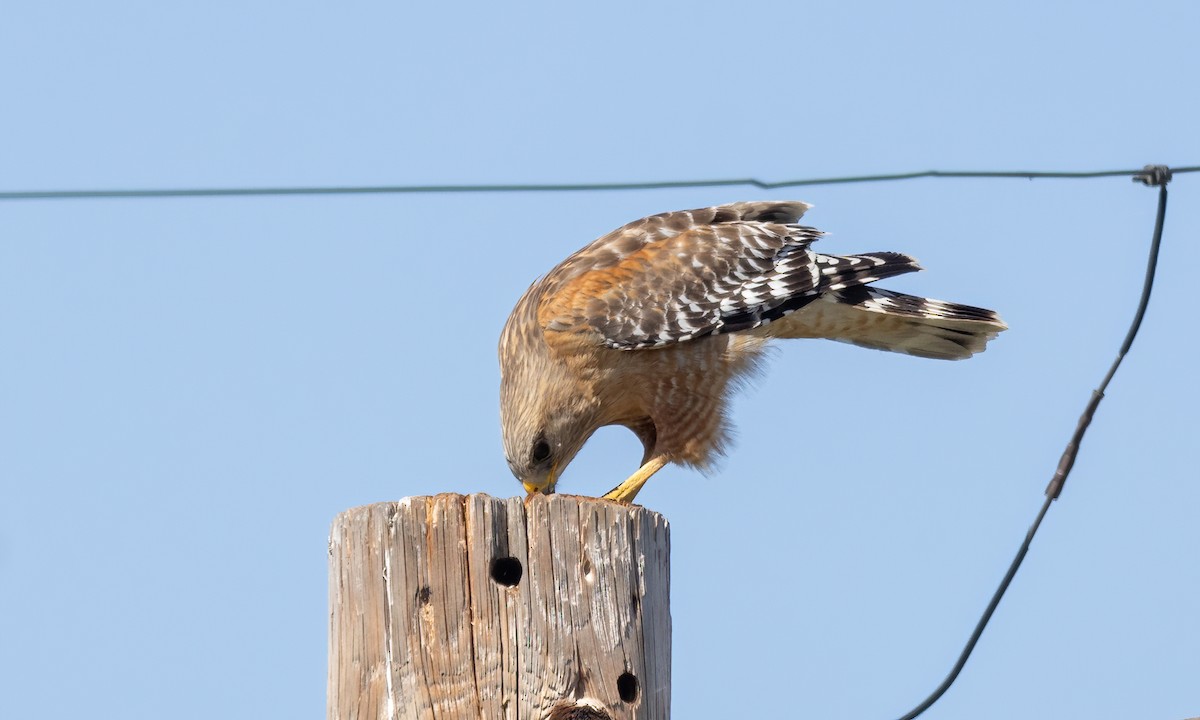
[428, 619]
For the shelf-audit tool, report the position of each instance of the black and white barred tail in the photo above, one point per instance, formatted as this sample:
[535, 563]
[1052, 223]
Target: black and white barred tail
[885, 320]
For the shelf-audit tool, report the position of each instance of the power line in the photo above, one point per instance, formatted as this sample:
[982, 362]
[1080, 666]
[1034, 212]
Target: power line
[559, 187]
[1152, 175]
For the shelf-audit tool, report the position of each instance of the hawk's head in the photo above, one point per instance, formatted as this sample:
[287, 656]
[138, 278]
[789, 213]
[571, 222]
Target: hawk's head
[545, 417]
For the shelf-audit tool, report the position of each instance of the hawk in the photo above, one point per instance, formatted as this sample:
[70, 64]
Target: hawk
[653, 324]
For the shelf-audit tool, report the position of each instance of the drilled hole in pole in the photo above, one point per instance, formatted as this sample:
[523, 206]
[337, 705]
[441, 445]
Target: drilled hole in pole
[507, 571]
[627, 687]
[571, 711]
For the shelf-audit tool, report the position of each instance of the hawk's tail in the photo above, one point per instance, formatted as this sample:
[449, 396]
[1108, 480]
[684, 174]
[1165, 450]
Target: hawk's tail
[885, 320]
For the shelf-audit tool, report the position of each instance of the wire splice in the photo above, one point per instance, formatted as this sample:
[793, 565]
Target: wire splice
[1154, 175]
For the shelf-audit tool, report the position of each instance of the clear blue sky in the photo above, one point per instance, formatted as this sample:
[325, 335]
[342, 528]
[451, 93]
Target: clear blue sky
[190, 390]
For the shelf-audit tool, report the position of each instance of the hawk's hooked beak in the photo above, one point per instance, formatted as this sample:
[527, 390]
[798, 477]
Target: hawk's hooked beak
[547, 488]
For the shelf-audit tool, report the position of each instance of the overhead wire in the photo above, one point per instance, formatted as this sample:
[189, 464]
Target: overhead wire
[1152, 175]
[94, 194]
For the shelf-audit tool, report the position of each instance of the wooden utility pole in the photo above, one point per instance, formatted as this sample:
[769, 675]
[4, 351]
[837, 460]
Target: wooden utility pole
[472, 607]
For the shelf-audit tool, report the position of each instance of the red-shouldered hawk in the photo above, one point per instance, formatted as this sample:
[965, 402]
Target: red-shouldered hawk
[650, 325]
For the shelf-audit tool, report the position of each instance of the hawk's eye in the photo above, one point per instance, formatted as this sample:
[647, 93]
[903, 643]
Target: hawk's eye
[541, 450]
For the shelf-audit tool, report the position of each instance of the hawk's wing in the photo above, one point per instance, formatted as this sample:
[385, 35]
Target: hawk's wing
[678, 276]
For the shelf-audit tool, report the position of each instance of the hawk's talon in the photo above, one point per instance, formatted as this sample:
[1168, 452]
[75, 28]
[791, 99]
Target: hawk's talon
[628, 490]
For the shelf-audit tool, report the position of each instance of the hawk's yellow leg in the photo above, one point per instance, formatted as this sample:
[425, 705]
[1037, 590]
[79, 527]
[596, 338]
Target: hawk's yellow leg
[628, 490]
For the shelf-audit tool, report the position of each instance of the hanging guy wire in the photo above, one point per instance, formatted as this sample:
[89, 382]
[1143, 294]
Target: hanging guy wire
[1152, 175]
[555, 187]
